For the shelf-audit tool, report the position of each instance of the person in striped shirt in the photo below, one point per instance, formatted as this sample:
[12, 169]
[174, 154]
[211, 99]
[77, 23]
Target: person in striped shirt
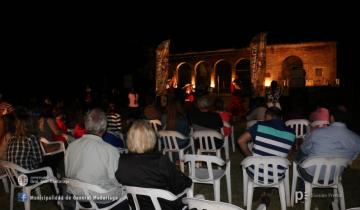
[270, 138]
[113, 134]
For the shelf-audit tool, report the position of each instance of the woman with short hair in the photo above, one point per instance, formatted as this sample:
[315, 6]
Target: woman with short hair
[143, 167]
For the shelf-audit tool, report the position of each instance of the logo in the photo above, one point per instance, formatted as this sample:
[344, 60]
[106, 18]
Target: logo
[22, 197]
[23, 180]
[299, 196]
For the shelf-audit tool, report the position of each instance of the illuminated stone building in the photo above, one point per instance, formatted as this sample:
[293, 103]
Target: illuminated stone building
[216, 69]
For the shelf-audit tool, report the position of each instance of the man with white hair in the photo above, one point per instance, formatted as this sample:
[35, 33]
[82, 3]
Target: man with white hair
[90, 159]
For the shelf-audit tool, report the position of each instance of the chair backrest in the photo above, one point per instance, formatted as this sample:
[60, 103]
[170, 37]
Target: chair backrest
[319, 123]
[13, 171]
[156, 124]
[206, 139]
[153, 193]
[327, 169]
[209, 159]
[85, 191]
[201, 204]
[47, 142]
[300, 126]
[262, 165]
[168, 139]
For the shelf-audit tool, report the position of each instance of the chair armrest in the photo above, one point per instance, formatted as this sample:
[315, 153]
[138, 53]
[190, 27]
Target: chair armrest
[186, 191]
[61, 149]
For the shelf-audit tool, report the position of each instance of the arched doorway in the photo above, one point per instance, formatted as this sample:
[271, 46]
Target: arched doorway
[293, 71]
[243, 72]
[184, 74]
[203, 75]
[223, 76]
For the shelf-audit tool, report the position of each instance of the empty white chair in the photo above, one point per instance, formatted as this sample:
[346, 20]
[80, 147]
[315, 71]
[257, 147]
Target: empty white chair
[210, 175]
[60, 144]
[205, 141]
[262, 165]
[200, 204]
[327, 172]
[154, 194]
[13, 172]
[156, 124]
[231, 135]
[82, 189]
[300, 126]
[4, 180]
[169, 141]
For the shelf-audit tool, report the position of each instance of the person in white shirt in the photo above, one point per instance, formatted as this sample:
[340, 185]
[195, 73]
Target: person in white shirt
[92, 160]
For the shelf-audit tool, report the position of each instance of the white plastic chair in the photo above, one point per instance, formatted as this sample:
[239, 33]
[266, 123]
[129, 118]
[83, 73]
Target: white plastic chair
[264, 162]
[209, 175]
[154, 194]
[13, 172]
[155, 124]
[46, 142]
[251, 123]
[323, 166]
[200, 204]
[206, 142]
[3, 178]
[232, 137]
[300, 126]
[82, 189]
[319, 123]
[169, 140]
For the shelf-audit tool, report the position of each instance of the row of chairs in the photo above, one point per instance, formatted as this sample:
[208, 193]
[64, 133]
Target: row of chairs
[212, 175]
[327, 174]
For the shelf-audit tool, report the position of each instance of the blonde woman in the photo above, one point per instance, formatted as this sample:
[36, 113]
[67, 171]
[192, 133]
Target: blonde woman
[143, 167]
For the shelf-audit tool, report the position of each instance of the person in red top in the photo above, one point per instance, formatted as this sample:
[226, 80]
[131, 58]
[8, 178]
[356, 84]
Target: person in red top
[236, 106]
[189, 94]
[225, 116]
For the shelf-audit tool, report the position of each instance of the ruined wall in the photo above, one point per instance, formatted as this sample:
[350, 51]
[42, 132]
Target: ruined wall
[319, 61]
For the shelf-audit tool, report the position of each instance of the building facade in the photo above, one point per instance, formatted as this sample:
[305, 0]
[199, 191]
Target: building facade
[314, 63]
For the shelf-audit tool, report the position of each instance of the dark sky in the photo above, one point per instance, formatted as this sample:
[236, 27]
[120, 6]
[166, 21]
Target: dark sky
[70, 51]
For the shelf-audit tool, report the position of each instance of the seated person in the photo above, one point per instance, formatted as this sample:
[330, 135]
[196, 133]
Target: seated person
[91, 160]
[225, 116]
[319, 118]
[258, 113]
[175, 120]
[142, 167]
[334, 140]
[205, 119]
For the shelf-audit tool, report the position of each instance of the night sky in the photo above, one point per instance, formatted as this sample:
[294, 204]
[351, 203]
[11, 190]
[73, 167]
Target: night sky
[72, 52]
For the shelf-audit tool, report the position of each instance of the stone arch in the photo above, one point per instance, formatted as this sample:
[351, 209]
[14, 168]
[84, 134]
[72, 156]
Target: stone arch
[184, 73]
[202, 75]
[293, 71]
[242, 71]
[222, 75]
